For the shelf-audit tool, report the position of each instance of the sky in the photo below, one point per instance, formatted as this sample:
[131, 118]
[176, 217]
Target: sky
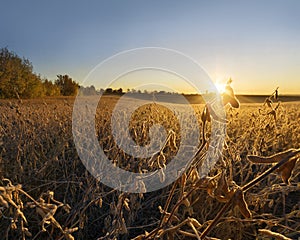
[256, 43]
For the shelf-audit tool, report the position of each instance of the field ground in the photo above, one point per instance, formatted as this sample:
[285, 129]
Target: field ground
[58, 194]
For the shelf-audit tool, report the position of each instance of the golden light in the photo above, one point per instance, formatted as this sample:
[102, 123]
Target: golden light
[220, 87]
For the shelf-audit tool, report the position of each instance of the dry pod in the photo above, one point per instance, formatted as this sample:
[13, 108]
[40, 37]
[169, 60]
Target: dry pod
[269, 102]
[229, 96]
[194, 175]
[274, 158]
[209, 184]
[161, 174]
[239, 200]
[3, 202]
[205, 116]
[286, 170]
[183, 180]
[232, 100]
[273, 113]
[172, 140]
[276, 94]
[222, 192]
[195, 222]
[27, 233]
[186, 202]
[274, 235]
[161, 160]
[126, 204]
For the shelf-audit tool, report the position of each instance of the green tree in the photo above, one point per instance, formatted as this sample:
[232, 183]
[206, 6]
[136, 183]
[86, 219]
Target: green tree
[67, 86]
[17, 78]
[50, 88]
[34, 88]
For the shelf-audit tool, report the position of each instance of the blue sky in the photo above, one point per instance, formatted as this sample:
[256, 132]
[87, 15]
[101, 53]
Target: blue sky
[257, 43]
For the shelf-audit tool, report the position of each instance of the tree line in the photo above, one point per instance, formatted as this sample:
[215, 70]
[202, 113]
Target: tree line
[17, 79]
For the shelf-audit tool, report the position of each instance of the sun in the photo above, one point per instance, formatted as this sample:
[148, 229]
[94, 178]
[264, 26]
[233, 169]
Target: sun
[220, 87]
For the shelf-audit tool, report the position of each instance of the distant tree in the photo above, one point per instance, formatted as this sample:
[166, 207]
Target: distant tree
[34, 88]
[108, 91]
[120, 91]
[67, 86]
[88, 91]
[17, 78]
[101, 91]
[91, 90]
[50, 88]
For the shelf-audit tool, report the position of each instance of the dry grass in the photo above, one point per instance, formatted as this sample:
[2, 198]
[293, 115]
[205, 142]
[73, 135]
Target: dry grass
[254, 197]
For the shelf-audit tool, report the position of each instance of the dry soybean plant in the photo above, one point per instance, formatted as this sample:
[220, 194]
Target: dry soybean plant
[178, 219]
[251, 193]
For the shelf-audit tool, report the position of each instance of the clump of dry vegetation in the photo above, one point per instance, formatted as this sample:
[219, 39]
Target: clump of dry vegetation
[251, 193]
